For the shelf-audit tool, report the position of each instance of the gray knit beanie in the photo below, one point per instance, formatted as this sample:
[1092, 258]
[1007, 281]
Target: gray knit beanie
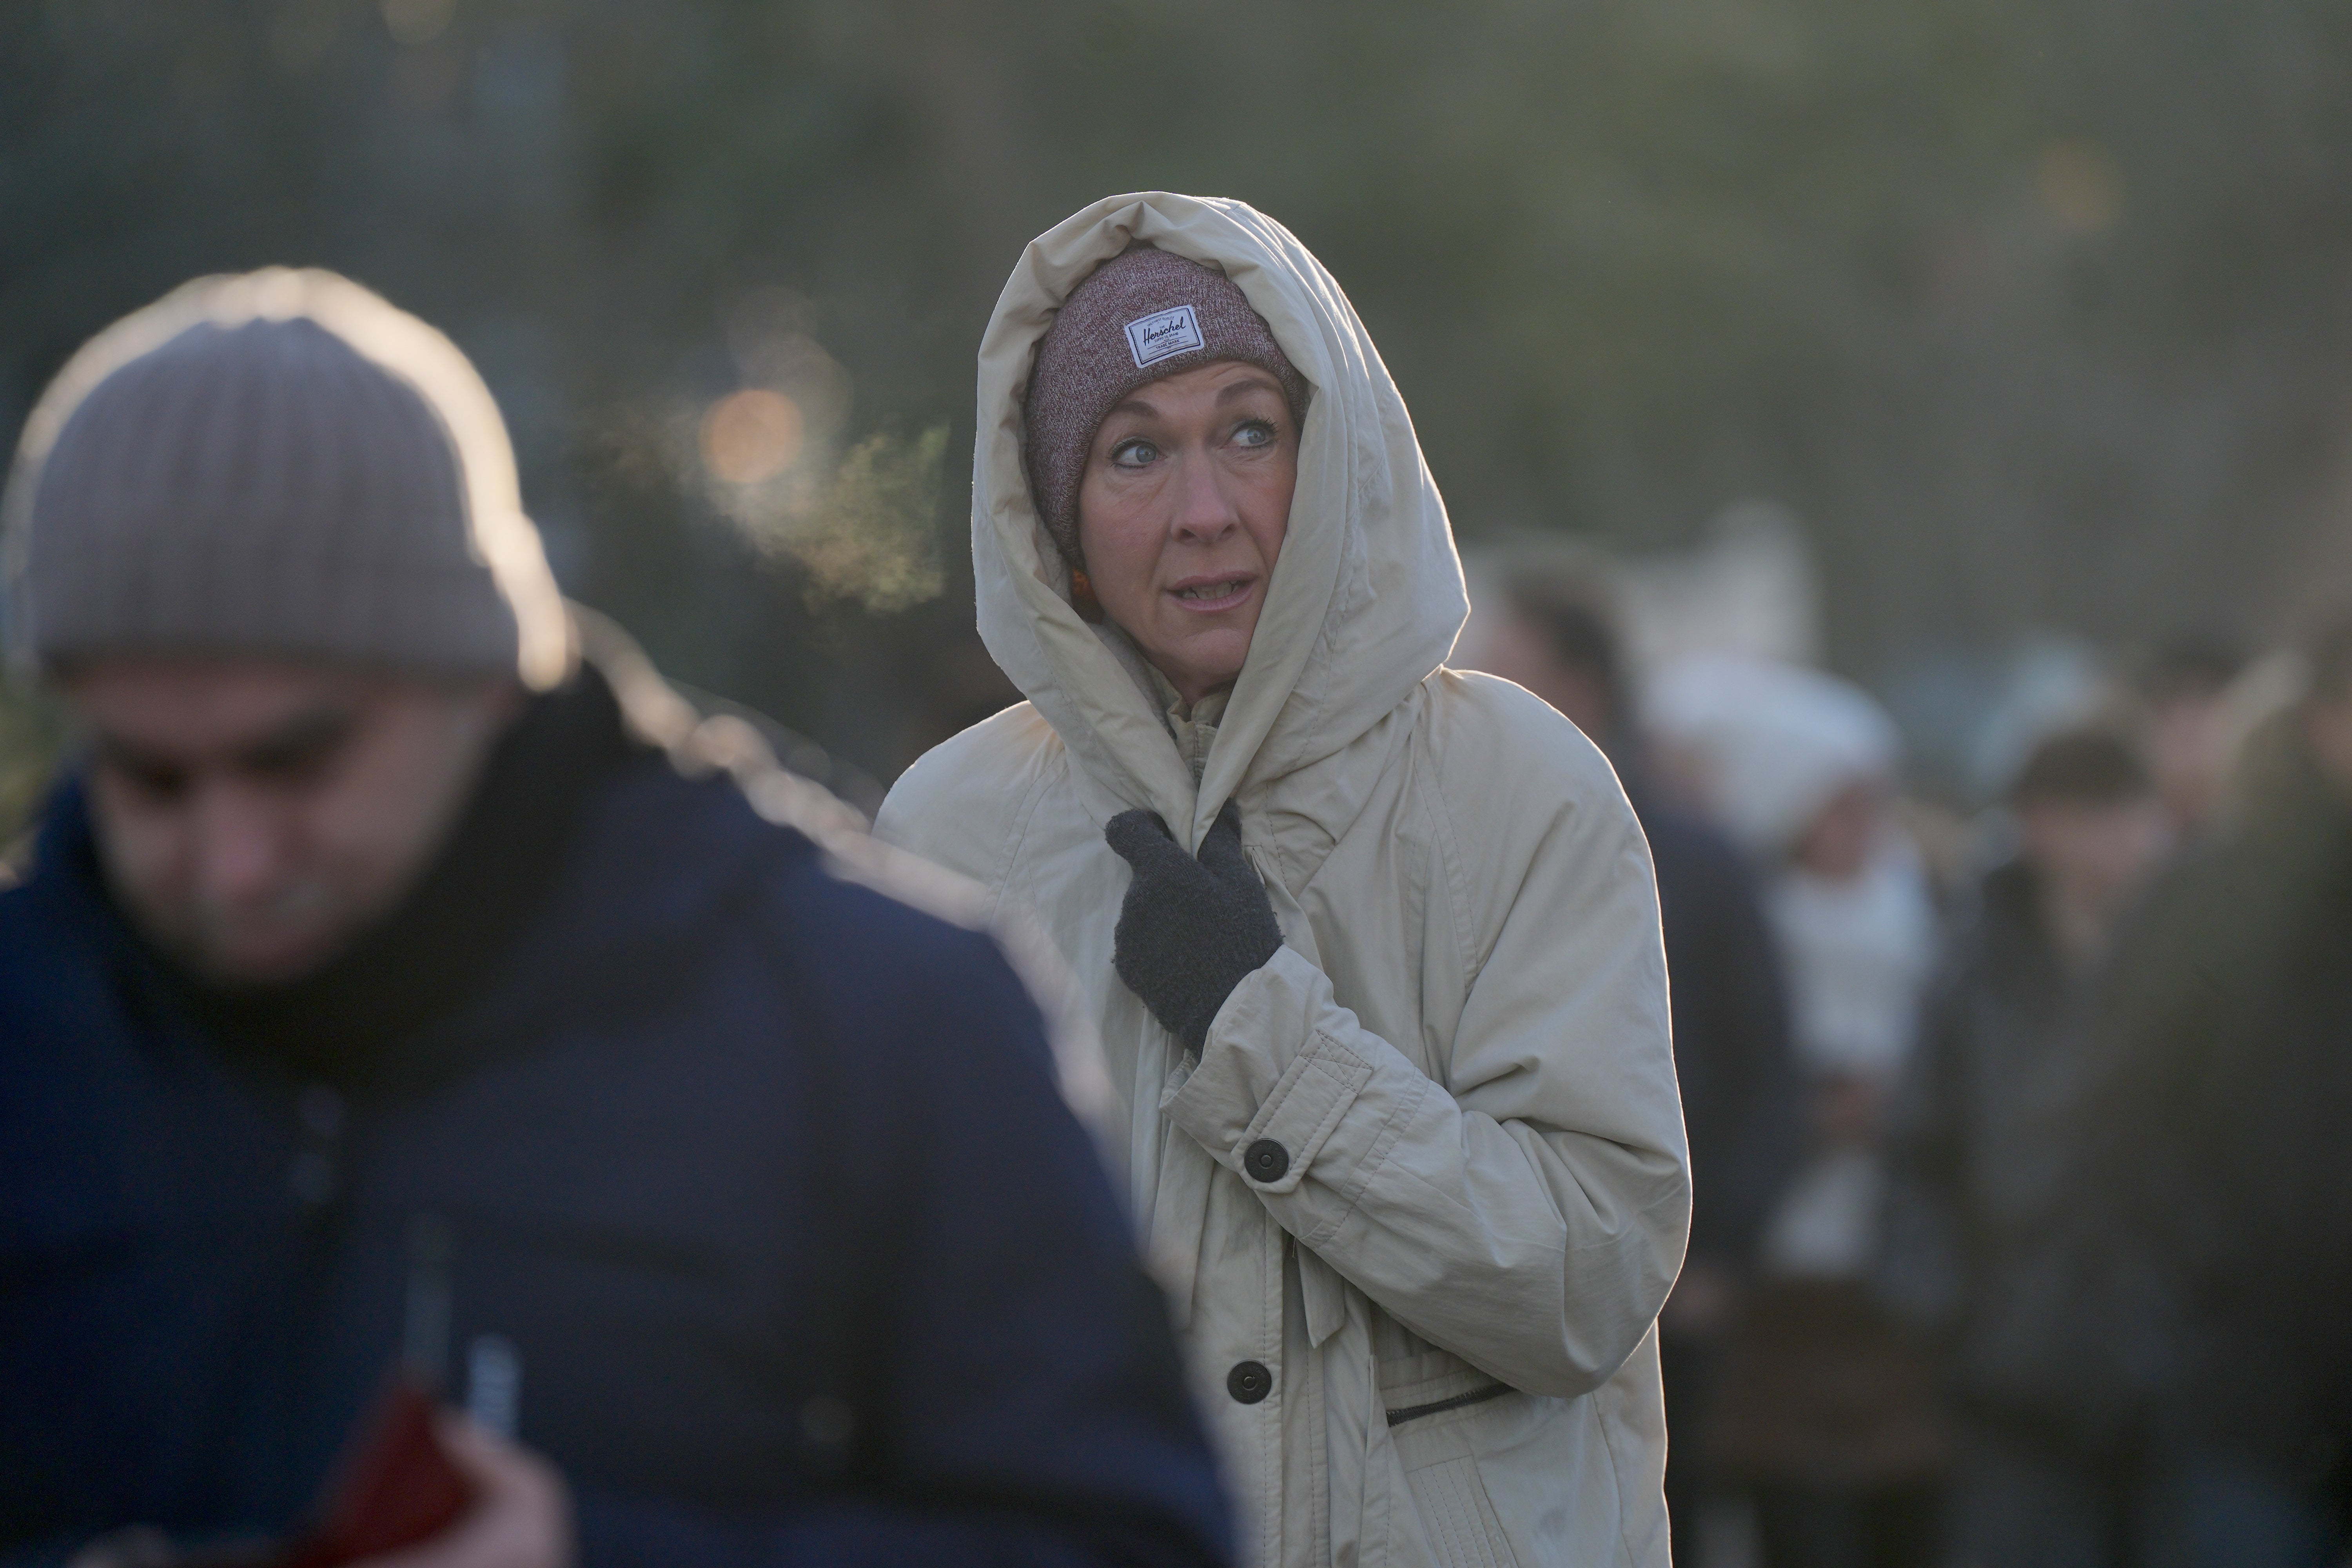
[279, 463]
[1144, 314]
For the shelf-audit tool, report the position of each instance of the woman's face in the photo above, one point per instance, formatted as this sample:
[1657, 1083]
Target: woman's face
[1837, 845]
[1181, 515]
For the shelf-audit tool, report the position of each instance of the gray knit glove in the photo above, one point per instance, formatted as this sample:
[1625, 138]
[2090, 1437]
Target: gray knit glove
[1189, 931]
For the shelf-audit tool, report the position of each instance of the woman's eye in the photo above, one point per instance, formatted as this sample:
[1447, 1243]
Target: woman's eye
[1254, 433]
[1133, 454]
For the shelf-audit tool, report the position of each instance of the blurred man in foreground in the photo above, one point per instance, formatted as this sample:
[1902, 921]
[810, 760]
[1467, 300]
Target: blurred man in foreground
[2215, 1171]
[1979, 1157]
[392, 983]
[1554, 632]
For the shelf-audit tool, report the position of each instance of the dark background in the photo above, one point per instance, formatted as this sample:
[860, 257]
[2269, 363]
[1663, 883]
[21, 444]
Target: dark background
[2037, 313]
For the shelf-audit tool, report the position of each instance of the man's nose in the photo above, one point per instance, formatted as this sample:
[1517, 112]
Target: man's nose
[1204, 512]
[240, 846]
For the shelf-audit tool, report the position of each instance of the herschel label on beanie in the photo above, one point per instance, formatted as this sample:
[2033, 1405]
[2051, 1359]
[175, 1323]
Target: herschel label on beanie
[1153, 338]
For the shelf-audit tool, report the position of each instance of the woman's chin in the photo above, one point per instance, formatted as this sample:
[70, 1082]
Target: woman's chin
[1226, 645]
[1202, 664]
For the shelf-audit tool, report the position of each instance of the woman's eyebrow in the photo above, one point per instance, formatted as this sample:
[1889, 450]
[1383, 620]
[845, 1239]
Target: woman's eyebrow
[1247, 383]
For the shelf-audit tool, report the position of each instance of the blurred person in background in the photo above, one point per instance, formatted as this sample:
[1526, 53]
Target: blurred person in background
[1826, 1414]
[2185, 727]
[1373, 944]
[2213, 1148]
[1554, 631]
[382, 991]
[1979, 1160]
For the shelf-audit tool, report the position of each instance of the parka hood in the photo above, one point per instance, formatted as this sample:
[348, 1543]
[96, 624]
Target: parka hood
[1365, 600]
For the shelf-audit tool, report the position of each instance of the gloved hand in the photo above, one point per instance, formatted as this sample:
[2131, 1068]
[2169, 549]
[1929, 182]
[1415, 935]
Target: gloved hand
[1189, 931]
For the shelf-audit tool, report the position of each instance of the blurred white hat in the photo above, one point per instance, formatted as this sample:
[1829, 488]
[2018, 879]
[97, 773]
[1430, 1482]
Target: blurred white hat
[1766, 745]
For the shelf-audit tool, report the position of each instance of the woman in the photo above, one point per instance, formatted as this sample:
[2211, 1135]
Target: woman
[1402, 1134]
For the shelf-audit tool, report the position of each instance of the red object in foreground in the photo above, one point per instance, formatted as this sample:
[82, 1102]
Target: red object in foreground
[395, 1487]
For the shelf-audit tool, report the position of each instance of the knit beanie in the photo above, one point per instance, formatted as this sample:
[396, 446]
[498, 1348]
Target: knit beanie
[1140, 316]
[279, 464]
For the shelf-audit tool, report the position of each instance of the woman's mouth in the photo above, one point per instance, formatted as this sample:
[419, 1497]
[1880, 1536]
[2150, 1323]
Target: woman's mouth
[1209, 594]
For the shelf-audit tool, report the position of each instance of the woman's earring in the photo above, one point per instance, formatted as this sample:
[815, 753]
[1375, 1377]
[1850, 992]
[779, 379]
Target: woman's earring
[1082, 597]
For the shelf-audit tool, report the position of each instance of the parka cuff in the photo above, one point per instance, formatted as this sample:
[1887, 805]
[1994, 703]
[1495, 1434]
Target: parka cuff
[1270, 1087]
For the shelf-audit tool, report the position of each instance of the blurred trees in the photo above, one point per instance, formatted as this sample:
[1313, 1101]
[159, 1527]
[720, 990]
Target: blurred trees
[2037, 313]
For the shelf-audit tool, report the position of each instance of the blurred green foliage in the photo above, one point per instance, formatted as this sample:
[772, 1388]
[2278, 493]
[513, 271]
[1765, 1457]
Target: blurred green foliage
[2034, 312]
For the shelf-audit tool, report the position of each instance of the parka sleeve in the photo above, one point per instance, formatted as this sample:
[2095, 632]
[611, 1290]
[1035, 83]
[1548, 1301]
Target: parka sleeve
[1528, 1212]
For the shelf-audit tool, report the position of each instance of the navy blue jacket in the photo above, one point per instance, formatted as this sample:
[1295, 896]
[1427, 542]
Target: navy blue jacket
[758, 1181]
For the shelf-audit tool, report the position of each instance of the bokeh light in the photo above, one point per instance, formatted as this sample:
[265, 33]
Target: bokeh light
[752, 436]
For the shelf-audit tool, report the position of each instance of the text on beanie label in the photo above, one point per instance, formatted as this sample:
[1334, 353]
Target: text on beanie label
[1163, 332]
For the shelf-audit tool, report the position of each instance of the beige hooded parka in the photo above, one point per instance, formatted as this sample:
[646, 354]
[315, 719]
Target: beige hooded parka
[1462, 1048]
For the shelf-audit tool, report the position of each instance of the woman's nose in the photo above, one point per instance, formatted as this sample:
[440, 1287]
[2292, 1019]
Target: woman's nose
[1204, 512]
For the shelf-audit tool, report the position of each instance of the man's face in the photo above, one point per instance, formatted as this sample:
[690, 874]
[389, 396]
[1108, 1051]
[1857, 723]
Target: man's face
[255, 815]
[2182, 738]
[2327, 730]
[2092, 853]
[1515, 646]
